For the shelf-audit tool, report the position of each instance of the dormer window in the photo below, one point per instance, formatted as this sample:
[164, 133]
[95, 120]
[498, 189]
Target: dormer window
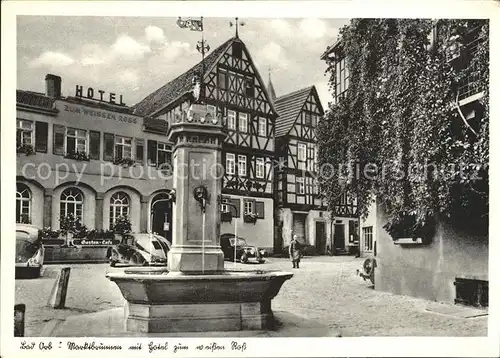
[237, 49]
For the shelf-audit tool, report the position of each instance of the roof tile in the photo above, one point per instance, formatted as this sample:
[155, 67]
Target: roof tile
[288, 108]
[34, 99]
[178, 86]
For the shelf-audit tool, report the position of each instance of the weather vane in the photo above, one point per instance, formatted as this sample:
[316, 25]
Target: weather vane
[236, 24]
[202, 47]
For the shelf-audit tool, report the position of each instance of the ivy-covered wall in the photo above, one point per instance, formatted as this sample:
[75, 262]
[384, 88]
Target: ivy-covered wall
[401, 127]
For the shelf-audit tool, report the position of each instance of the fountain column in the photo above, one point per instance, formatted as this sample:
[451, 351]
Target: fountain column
[197, 138]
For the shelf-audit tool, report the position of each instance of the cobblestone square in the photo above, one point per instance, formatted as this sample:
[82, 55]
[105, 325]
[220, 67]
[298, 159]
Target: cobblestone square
[325, 289]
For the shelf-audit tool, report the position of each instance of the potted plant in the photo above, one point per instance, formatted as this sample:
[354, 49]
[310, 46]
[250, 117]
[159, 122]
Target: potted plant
[250, 218]
[121, 226]
[71, 226]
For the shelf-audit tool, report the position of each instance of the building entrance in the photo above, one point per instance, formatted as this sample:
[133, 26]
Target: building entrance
[162, 216]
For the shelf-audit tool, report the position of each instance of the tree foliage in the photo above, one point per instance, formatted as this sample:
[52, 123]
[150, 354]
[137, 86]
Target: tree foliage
[398, 135]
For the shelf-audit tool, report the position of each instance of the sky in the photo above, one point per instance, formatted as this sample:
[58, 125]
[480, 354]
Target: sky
[134, 56]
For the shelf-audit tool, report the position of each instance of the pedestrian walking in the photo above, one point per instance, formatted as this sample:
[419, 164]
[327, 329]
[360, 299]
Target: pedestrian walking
[294, 252]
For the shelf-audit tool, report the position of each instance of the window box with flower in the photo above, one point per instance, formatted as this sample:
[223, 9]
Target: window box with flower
[124, 161]
[226, 216]
[250, 218]
[25, 149]
[77, 155]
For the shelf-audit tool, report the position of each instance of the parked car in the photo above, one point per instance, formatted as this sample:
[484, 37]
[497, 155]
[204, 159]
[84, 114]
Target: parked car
[140, 249]
[29, 251]
[244, 252]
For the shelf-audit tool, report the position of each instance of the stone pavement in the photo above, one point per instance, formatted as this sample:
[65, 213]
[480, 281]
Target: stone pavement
[325, 291]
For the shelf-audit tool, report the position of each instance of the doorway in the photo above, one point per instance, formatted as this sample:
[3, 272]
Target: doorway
[320, 237]
[299, 227]
[162, 216]
[339, 237]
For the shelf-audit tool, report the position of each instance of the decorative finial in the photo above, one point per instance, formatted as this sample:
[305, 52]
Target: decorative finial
[236, 24]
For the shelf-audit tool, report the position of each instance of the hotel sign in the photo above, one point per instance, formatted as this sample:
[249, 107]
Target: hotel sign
[98, 95]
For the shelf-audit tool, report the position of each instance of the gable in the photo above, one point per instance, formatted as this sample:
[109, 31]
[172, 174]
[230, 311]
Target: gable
[289, 107]
[234, 80]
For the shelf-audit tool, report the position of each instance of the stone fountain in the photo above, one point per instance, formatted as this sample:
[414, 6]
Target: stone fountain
[194, 292]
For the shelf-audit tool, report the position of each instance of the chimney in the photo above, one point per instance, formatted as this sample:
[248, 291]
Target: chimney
[53, 85]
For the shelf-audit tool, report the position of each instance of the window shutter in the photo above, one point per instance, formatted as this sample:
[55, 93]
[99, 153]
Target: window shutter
[41, 136]
[152, 152]
[139, 150]
[109, 146]
[59, 133]
[259, 209]
[235, 212]
[95, 145]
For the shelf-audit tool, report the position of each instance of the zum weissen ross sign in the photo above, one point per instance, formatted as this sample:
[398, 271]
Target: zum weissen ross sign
[99, 95]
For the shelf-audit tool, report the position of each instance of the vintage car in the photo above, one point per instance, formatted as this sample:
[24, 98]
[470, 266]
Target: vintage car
[244, 252]
[141, 249]
[29, 251]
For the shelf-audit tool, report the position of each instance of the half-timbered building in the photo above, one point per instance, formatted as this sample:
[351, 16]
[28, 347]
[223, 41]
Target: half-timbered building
[300, 207]
[232, 87]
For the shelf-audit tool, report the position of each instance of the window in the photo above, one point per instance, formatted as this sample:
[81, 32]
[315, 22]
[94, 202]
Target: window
[119, 205]
[243, 122]
[76, 141]
[308, 119]
[368, 238]
[231, 119]
[341, 79]
[262, 127]
[301, 186]
[212, 110]
[164, 153]
[315, 187]
[230, 163]
[301, 152]
[24, 132]
[224, 208]
[23, 204]
[249, 87]
[260, 170]
[222, 78]
[123, 147]
[343, 199]
[71, 203]
[242, 165]
[249, 207]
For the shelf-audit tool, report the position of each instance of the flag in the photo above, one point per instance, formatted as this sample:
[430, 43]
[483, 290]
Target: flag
[196, 25]
[193, 25]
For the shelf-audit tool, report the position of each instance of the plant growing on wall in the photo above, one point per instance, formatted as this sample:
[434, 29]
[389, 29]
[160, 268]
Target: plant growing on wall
[399, 125]
[122, 225]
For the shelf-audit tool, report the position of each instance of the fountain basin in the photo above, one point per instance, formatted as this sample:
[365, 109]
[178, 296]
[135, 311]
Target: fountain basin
[159, 301]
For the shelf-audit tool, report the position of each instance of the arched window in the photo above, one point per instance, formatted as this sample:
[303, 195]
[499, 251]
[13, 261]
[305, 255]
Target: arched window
[72, 203]
[23, 204]
[119, 205]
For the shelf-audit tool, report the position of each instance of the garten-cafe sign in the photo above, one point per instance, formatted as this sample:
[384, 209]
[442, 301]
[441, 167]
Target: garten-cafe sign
[98, 95]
